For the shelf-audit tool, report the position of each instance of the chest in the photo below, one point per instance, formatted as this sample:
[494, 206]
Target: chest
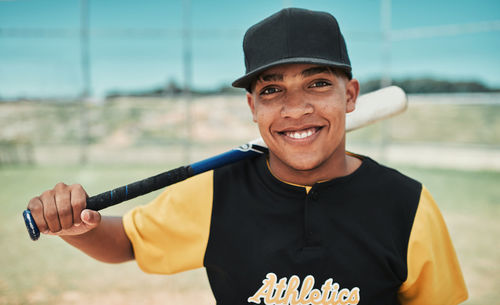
[325, 236]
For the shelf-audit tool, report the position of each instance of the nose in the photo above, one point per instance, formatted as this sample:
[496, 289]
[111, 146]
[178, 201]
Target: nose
[295, 105]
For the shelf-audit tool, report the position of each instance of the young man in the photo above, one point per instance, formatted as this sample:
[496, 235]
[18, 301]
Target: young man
[307, 224]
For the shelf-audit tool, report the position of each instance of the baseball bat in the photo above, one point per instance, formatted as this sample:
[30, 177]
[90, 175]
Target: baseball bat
[370, 108]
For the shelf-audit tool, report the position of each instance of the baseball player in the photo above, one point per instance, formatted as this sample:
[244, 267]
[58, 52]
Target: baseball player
[308, 223]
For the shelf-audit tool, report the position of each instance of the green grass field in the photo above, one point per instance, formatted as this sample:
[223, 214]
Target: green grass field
[50, 272]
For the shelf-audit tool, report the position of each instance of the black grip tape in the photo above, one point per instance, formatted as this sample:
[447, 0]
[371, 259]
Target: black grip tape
[138, 188]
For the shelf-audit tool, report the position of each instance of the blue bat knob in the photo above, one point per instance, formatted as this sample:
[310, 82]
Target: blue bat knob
[31, 225]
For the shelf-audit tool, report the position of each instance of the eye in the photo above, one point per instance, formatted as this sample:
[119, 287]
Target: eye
[269, 90]
[320, 83]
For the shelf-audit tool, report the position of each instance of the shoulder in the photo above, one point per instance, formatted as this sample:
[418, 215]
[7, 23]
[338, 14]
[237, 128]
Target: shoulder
[242, 170]
[390, 191]
[389, 179]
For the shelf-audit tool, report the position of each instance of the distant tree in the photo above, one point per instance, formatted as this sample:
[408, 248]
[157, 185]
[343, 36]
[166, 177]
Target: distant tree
[229, 90]
[410, 85]
[172, 88]
[430, 85]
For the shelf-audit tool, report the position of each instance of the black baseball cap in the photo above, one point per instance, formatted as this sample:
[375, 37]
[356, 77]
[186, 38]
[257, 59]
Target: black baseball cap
[293, 35]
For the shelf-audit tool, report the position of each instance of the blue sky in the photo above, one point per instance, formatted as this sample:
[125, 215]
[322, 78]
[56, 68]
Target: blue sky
[41, 66]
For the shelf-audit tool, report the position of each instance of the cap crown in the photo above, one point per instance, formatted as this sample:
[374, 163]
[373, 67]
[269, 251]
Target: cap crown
[293, 36]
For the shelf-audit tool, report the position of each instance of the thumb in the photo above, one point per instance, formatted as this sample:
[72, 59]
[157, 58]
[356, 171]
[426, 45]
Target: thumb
[91, 218]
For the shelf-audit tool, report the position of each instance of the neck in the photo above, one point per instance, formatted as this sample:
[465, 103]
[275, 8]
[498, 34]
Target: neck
[339, 165]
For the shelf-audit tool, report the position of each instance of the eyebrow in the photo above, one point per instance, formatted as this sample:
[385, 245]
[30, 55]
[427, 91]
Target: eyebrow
[273, 77]
[315, 70]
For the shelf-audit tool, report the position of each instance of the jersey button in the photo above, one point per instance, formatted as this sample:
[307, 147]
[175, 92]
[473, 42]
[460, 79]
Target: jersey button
[314, 195]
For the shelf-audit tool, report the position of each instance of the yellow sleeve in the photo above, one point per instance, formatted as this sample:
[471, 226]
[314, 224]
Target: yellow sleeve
[170, 234]
[434, 275]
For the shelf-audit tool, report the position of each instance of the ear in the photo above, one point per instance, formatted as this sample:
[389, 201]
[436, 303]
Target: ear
[352, 92]
[251, 104]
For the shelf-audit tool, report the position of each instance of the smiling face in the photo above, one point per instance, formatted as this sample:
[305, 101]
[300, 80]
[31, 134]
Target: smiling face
[300, 110]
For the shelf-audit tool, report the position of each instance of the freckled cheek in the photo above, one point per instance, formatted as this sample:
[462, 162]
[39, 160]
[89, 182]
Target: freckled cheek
[331, 113]
[265, 118]
[264, 125]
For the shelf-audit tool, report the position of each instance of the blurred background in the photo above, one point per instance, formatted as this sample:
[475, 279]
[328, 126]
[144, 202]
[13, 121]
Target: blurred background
[103, 93]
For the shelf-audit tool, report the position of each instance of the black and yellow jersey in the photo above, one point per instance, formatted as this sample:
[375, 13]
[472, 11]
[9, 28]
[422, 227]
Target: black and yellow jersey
[372, 237]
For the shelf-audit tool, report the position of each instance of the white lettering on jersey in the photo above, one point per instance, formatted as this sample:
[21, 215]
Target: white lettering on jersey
[283, 292]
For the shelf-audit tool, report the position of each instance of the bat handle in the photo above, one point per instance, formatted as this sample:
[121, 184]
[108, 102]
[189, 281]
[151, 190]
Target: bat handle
[120, 194]
[33, 230]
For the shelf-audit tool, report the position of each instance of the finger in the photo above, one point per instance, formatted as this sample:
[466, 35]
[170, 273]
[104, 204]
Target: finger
[50, 211]
[36, 207]
[63, 205]
[91, 218]
[78, 202]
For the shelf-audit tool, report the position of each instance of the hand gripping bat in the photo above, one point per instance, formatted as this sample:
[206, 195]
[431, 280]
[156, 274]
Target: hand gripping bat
[370, 108]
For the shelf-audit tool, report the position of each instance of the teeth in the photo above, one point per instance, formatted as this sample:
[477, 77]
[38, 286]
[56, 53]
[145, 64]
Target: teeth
[300, 135]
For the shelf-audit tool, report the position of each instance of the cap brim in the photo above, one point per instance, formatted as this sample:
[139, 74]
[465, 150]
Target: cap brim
[246, 80]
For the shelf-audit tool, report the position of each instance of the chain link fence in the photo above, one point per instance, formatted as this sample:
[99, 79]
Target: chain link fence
[448, 130]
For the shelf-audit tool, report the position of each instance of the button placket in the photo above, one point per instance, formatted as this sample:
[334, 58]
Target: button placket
[311, 198]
